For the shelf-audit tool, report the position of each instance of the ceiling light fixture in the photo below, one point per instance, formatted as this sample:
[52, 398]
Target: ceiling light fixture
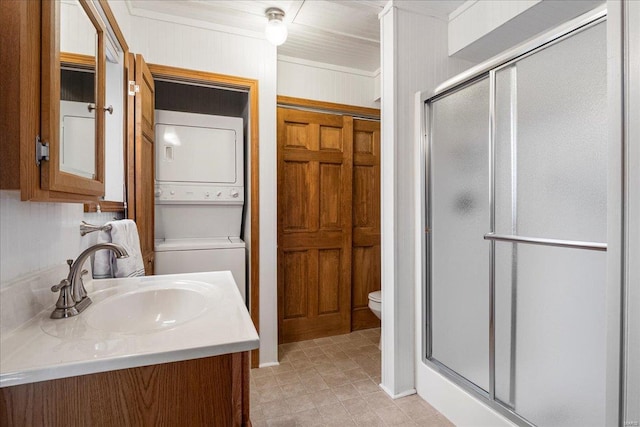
[276, 30]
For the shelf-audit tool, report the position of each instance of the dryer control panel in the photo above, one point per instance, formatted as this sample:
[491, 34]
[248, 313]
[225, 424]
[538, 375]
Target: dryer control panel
[190, 193]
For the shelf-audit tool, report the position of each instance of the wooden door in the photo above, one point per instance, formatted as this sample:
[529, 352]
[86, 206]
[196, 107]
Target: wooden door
[314, 224]
[365, 265]
[141, 166]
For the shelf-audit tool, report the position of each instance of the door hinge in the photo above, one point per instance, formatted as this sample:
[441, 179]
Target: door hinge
[133, 88]
[42, 150]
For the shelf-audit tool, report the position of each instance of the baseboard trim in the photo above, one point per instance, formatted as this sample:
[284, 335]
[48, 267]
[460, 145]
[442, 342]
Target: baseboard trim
[268, 364]
[398, 395]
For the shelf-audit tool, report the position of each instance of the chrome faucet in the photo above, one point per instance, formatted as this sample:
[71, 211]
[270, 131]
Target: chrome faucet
[73, 297]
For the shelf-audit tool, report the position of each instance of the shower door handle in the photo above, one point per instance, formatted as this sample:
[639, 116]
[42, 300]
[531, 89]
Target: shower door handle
[594, 246]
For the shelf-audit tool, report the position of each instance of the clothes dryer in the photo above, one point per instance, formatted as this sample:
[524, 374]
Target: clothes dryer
[199, 195]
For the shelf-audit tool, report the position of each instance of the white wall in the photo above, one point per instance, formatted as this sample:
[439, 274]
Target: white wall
[36, 235]
[325, 82]
[77, 33]
[190, 44]
[414, 58]
[37, 239]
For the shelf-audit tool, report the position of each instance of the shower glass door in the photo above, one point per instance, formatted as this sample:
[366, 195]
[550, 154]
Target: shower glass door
[550, 184]
[459, 200]
[516, 204]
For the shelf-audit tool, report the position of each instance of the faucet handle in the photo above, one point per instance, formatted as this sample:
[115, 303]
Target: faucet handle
[65, 306]
[63, 284]
[69, 263]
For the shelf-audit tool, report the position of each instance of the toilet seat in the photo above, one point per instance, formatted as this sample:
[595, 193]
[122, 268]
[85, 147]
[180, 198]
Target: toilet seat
[375, 296]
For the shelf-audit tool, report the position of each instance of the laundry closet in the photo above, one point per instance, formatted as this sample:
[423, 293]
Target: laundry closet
[200, 145]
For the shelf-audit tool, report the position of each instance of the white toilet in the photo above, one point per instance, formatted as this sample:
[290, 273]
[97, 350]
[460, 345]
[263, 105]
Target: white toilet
[375, 305]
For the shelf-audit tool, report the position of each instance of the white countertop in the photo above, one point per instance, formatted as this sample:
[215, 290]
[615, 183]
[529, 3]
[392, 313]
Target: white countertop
[46, 349]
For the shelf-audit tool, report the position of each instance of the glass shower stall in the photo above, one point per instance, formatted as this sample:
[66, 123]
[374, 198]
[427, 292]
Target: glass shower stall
[516, 203]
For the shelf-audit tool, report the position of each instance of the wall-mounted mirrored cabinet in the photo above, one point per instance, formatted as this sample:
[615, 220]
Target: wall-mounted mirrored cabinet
[66, 116]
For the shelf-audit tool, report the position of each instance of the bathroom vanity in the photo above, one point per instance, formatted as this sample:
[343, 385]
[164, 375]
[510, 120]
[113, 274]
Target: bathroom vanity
[159, 350]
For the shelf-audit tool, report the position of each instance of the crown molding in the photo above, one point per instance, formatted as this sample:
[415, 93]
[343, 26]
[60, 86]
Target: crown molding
[191, 22]
[325, 66]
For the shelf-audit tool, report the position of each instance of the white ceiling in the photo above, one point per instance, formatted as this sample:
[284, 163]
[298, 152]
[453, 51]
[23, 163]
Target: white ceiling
[339, 32]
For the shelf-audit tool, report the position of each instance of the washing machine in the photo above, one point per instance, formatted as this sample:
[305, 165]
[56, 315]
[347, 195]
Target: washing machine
[199, 195]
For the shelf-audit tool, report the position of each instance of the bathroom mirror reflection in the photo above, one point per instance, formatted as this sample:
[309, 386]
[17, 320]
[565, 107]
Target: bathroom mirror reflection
[78, 90]
[114, 118]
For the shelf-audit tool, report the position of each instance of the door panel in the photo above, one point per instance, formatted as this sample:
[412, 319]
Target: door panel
[365, 263]
[329, 281]
[314, 224]
[330, 196]
[296, 270]
[297, 197]
[144, 171]
[366, 279]
[330, 138]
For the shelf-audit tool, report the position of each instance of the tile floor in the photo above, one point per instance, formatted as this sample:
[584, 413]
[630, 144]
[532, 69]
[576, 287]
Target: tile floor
[333, 382]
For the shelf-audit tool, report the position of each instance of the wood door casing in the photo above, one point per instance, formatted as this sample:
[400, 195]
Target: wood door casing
[144, 170]
[314, 224]
[251, 86]
[365, 264]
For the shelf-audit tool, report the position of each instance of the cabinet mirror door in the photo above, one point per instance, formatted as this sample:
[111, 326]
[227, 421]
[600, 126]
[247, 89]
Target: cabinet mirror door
[73, 97]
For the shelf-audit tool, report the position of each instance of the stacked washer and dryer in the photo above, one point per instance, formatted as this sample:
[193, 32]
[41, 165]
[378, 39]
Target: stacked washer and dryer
[199, 194]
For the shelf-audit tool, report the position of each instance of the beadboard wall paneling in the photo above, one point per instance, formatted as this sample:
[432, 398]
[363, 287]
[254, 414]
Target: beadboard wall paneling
[76, 30]
[313, 81]
[37, 239]
[196, 48]
[121, 13]
[36, 235]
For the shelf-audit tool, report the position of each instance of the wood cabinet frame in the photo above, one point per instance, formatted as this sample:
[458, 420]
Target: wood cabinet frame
[24, 51]
[52, 177]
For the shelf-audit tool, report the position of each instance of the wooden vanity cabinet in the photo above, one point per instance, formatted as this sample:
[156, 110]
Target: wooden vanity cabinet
[212, 391]
[20, 38]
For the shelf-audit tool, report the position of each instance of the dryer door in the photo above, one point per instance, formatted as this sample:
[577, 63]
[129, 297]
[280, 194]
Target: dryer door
[196, 154]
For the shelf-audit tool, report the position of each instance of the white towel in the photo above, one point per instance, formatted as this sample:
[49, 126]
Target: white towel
[102, 263]
[124, 233]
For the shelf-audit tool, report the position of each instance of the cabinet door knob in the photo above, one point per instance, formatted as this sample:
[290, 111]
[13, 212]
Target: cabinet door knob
[109, 109]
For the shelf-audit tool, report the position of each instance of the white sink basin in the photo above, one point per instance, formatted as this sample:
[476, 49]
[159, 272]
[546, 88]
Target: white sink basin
[163, 306]
[132, 322]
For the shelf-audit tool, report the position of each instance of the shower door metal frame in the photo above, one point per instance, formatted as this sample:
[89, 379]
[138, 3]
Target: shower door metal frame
[485, 70]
